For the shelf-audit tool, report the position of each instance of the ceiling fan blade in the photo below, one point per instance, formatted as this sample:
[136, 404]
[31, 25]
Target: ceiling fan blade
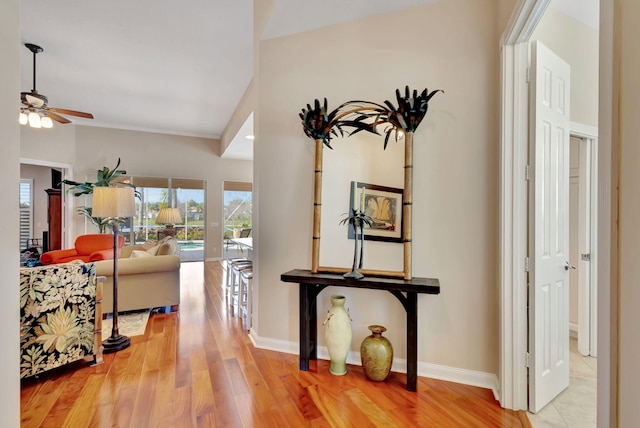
[58, 118]
[71, 112]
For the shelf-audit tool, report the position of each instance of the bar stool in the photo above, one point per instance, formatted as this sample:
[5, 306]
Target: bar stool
[235, 296]
[245, 297]
[229, 268]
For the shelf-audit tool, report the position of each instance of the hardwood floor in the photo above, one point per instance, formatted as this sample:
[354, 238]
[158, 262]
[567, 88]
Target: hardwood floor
[197, 368]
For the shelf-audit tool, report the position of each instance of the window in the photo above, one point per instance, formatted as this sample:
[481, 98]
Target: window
[26, 211]
[188, 195]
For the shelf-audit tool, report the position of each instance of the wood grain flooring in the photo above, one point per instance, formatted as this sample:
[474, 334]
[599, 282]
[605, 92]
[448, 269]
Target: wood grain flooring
[198, 368]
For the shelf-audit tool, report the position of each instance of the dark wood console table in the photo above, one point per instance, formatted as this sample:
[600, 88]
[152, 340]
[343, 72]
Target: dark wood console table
[312, 284]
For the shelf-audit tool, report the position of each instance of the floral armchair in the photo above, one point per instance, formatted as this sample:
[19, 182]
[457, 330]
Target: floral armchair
[61, 316]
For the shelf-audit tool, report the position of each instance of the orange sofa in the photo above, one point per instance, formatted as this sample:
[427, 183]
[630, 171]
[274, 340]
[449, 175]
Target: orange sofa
[88, 248]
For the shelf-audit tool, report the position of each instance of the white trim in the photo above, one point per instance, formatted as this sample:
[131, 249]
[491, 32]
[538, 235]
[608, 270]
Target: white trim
[433, 371]
[583, 131]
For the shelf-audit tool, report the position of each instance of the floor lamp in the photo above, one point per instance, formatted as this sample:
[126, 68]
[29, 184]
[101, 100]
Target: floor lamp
[114, 202]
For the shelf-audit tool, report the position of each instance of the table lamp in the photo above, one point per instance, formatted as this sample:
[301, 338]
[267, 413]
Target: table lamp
[169, 217]
[114, 202]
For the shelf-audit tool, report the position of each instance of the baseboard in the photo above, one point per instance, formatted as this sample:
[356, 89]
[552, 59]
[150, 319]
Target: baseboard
[433, 371]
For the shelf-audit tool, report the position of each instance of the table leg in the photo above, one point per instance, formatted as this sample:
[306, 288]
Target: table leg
[305, 332]
[412, 341]
[312, 293]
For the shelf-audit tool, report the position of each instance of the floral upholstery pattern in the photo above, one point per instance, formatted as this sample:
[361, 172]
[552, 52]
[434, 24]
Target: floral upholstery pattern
[59, 307]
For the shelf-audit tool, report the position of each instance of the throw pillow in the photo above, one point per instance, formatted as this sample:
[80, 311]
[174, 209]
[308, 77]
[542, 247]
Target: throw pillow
[153, 250]
[140, 253]
[149, 244]
[164, 249]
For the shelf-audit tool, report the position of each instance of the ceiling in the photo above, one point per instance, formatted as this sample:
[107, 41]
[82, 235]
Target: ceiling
[159, 66]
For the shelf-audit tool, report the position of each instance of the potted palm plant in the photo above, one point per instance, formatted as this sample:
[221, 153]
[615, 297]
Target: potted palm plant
[357, 220]
[104, 178]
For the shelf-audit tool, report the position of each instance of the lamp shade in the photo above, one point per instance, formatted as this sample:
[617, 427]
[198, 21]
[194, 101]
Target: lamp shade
[169, 216]
[113, 202]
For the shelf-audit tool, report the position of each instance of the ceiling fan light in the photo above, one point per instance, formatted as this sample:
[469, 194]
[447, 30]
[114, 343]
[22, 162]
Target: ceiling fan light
[34, 120]
[24, 119]
[46, 122]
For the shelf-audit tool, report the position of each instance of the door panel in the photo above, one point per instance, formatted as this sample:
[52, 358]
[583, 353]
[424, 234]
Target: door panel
[549, 278]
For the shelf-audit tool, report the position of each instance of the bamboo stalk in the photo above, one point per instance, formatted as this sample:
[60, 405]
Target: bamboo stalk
[317, 208]
[365, 272]
[407, 204]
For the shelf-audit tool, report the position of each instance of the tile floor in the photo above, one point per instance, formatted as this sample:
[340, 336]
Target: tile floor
[575, 407]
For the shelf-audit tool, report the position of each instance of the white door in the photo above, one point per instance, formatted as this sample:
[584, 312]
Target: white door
[549, 248]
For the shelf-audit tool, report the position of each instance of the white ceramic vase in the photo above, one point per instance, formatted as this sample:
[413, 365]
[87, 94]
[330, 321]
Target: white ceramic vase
[338, 335]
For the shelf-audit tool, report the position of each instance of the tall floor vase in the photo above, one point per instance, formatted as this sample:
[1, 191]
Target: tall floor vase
[338, 335]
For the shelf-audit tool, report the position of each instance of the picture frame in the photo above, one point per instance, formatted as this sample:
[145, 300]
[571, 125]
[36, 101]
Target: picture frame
[384, 205]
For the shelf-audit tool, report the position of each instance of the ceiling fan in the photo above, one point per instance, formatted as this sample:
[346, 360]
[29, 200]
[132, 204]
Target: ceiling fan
[35, 110]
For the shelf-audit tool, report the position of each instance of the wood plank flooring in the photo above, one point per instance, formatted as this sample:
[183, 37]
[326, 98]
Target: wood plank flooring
[197, 368]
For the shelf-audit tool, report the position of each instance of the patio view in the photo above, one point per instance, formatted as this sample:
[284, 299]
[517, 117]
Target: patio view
[237, 218]
[185, 195]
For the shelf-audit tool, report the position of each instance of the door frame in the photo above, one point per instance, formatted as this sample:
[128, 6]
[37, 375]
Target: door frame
[588, 238]
[67, 208]
[513, 210]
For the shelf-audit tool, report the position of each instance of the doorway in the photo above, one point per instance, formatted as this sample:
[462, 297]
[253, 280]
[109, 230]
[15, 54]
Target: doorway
[514, 209]
[43, 177]
[237, 206]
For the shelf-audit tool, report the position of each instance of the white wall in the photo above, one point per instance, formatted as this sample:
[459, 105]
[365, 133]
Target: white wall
[450, 45]
[9, 250]
[577, 44]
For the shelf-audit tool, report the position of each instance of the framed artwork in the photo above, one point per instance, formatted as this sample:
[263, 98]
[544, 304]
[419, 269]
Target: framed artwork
[383, 205]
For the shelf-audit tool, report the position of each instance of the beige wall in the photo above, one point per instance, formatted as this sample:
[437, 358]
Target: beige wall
[56, 145]
[451, 45]
[10, 170]
[628, 148]
[577, 44]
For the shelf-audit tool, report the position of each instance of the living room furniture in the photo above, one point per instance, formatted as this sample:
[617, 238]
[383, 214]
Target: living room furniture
[88, 248]
[114, 203]
[54, 219]
[311, 284]
[149, 276]
[60, 316]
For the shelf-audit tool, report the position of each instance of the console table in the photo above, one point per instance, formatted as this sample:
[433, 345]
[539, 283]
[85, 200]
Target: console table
[311, 284]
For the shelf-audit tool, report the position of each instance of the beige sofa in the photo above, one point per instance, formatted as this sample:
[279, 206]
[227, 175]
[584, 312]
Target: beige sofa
[148, 277]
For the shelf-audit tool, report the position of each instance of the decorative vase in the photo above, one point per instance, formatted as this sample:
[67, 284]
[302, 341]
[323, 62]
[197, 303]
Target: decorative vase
[377, 354]
[338, 335]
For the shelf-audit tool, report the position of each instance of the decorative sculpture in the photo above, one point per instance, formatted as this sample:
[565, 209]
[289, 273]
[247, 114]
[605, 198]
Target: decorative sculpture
[356, 116]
